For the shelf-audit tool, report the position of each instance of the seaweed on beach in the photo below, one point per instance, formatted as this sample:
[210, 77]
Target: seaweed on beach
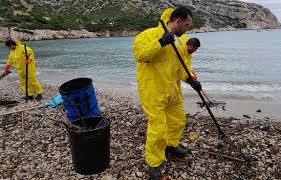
[8, 103]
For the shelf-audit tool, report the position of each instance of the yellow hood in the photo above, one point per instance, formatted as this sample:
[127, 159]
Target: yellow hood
[166, 15]
[18, 42]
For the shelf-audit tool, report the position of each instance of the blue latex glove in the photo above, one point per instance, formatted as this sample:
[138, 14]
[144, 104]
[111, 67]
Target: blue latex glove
[56, 101]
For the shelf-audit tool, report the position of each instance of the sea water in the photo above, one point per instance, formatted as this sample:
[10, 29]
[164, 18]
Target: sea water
[232, 64]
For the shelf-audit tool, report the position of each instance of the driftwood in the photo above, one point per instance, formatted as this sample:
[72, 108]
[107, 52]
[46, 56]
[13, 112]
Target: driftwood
[221, 155]
[22, 110]
[54, 120]
[68, 125]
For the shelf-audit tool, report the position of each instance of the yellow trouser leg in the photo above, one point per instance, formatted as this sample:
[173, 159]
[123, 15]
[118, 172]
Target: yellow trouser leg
[33, 85]
[156, 139]
[176, 123]
[166, 122]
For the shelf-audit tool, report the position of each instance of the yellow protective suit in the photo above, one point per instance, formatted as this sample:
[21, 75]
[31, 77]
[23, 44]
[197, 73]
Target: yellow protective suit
[17, 58]
[158, 70]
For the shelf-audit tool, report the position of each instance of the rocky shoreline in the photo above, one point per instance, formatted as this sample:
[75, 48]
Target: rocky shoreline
[35, 35]
[39, 148]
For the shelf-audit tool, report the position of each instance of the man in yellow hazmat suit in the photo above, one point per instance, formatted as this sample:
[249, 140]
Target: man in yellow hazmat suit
[161, 100]
[17, 58]
[192, 45]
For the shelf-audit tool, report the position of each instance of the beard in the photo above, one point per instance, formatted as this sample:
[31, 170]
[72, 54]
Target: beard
[178, 34]
[190, 51]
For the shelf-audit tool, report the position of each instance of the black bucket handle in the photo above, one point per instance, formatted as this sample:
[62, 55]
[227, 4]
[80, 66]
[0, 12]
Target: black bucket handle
[85, 99]
[80, 117]
[99, 128]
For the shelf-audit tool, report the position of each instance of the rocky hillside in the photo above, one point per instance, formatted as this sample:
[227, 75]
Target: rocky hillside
[121, 16]
[231, 14]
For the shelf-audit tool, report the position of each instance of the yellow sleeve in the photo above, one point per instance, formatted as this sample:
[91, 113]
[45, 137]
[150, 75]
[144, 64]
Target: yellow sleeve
[146, 46]
[182, 74]
[10, 59]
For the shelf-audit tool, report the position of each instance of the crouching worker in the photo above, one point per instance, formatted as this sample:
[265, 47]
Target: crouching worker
[192, 46]
[17, 58]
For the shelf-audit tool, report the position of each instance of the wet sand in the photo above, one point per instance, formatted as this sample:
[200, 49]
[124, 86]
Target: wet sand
[235, 107]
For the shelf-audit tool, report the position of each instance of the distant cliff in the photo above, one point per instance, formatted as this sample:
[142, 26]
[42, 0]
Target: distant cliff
[54, 19]
[231, 14]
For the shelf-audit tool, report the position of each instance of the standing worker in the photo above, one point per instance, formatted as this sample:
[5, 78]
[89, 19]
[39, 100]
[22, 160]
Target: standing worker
[17, 57]
[161, 100]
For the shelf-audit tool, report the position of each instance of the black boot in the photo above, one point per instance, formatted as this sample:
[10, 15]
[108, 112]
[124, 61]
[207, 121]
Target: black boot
[179, 152]
[28, 98]
[39, 97]
[154, 173]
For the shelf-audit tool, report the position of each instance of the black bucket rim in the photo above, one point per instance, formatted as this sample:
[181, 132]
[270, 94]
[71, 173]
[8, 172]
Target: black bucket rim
[108, 123]
[82, 117]
[72, 80]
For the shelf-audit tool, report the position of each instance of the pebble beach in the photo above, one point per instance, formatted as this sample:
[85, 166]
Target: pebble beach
[34, 146]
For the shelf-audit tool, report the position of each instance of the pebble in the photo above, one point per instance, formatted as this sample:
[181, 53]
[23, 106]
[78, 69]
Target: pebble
[40, 149]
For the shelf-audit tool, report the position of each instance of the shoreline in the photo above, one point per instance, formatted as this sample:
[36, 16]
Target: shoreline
[236, 106]
[45, 34]
[239, 106]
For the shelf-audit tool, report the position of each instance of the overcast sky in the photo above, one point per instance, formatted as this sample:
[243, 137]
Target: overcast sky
[273, 5]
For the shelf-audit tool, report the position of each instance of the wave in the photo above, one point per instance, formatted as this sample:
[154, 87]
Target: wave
[244, 87]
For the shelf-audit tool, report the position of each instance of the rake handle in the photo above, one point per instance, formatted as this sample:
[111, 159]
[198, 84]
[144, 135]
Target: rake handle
[189, 74]
[26, 75]
[4, 75]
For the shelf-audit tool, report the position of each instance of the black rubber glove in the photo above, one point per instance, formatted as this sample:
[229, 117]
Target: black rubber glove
[196, 85]
[166, 39]
[188, 80]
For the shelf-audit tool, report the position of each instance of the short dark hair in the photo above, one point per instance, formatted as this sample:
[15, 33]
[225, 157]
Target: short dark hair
[10, 43]
[194, 41]
[181, 12]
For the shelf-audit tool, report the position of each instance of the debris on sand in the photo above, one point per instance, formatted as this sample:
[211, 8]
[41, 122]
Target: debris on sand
[40, 148]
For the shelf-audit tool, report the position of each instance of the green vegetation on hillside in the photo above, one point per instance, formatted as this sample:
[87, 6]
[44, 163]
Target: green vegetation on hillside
[111, 18]
[197, 22]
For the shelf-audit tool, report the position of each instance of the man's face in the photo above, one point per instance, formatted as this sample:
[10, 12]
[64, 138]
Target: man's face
[182, 26]
[12, 47]
[191, 48]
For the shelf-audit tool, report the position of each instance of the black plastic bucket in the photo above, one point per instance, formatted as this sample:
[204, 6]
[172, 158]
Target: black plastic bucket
[90, 149]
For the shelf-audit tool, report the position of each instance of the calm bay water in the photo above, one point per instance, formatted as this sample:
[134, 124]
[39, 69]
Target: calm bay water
[230, 63]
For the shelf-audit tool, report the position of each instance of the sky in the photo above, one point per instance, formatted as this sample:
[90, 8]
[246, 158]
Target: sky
[273, 5]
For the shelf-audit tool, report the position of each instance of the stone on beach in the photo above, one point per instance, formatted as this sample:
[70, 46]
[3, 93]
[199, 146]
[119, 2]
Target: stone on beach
[40, 148]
